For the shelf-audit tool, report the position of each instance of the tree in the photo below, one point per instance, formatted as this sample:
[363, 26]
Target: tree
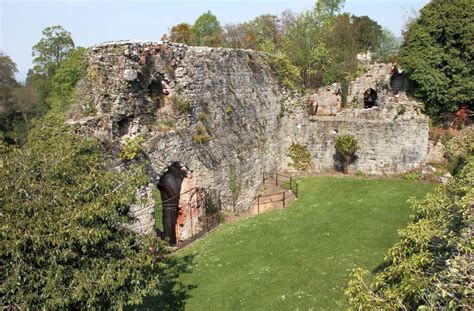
[181, 33]
[437, 55]
[240, 36]
[207, 30]
[388, 47]
[7, 82]
[346, 146]
[53, 48]
[304, 47]
[64, 240]
[430, 268]
[329, 7]
[367, 32]
[70, 71]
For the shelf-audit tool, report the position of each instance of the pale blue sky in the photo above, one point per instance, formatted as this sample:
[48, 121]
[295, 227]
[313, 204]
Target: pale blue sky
[95, 21]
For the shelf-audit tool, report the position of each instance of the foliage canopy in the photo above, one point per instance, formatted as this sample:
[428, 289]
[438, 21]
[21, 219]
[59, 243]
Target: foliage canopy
[437, 55]
[63, 245]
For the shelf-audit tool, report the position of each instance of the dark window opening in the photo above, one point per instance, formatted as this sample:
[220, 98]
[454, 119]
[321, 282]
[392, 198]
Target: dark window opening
[370, 98]
[123, 126]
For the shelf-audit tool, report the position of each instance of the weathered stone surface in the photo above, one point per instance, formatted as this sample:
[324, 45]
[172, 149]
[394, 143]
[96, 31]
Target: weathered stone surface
[249, 119]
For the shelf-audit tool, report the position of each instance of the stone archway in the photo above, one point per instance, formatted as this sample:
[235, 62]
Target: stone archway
[170, 189]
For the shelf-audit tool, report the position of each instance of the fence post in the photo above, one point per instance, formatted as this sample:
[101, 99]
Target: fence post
[284, 199]
[296, 194]
[258, 204]
[276, 179]
[291, 179]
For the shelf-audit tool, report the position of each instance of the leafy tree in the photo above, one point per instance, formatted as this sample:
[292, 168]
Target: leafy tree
[346, 146]
[69, 72]
[240, 36]
[367, 32]
[17, 104]
[207, 30]
[431, 267]
[53, 48]
[342, 43]
[329, 7]
[303, 46]
[181, 33]
[7, 82]
[64, 240]
[267, 34]
[437, 55]
[388, 47]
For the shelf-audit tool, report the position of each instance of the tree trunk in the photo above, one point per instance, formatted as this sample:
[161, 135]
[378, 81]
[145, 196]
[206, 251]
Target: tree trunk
[345, 165]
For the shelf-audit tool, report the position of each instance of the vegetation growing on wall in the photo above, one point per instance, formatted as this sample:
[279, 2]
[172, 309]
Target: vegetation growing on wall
[201, 135]
[300, 156]
[346, 146]
[131, 148]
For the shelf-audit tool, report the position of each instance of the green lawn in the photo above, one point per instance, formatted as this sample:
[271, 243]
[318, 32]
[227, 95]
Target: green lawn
[300, 257]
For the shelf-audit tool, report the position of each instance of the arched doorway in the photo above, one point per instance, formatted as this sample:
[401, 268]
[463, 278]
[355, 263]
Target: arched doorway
[170, 188]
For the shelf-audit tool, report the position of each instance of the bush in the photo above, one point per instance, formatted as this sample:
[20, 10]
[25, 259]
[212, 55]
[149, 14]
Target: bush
[63, 245]
[412, 176]
[132, 148]
[346, 146]
[201, 135]
[429, 268]
[287, 73]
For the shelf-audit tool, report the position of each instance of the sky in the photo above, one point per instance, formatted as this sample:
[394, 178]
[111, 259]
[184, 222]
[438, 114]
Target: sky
[95, 21]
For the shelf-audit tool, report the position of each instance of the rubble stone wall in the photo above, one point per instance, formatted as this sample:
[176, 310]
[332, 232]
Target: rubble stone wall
[215, 110]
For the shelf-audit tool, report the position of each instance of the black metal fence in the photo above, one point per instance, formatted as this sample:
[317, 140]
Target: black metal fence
[285, 182]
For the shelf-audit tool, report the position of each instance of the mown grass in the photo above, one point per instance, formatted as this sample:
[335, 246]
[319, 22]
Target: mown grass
[300, 257]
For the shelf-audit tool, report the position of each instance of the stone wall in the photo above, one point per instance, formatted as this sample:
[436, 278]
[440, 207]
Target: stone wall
[214, 110]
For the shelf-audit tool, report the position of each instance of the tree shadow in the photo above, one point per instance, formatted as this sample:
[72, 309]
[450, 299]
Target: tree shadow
[174, 293]
[339, 162]
[381, 267]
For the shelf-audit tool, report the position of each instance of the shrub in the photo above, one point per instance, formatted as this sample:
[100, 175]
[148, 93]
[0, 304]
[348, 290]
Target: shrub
[346, 146]
[179, 103]
[132, 148]
[412, 176]
[300, 156]
[201, 135]
[166, 125]
[287, 73]
[429, 268]
[62, 243]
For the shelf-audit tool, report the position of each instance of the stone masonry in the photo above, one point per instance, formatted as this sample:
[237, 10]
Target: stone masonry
[216, 110]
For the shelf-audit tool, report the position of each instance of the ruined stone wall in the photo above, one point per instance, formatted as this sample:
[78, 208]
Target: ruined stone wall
[215, 110]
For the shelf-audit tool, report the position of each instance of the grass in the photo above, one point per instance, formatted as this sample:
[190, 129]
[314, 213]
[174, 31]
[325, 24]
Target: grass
[300, 257]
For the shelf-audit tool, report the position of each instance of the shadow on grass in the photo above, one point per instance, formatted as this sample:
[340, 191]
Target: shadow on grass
[174, 293]
[381, 267]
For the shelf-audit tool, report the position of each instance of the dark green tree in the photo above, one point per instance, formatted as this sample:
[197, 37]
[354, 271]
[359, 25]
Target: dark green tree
[64, 241]
[437, 54]
[207, 30]
[367, 32]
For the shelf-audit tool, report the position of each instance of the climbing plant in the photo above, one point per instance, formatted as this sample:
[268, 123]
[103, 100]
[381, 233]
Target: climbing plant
[300, 157]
